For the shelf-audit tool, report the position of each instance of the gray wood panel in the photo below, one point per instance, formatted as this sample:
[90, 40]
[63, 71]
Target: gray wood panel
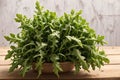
[103, 15]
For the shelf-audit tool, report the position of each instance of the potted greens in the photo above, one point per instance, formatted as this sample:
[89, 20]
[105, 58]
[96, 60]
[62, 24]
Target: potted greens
[47, 40]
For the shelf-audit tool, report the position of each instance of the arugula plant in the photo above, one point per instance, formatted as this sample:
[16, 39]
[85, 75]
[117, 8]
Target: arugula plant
[47, 38]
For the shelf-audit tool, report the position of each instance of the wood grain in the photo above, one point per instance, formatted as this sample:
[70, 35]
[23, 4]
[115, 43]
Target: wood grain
[3, 61]
[108, 72]
[3, 51]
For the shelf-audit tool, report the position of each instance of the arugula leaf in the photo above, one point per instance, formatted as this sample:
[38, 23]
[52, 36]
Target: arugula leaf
[74, 39]
[54, 58]
[9, 55]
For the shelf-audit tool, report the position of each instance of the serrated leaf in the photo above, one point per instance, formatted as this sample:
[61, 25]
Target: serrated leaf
[56, 68]
[72, 12]
[74, 39]
[77, 66]
[29, 44]
[39, 66]
[14, 65]
[93, 66]
[12, 35]
[26, 67]
[79, 12]
[97, 63]
[9, 54]
[19, 16]
[106, 60]
[28, 52]
[81, 58]
[17, 20]
[12, 47]
[7, 38]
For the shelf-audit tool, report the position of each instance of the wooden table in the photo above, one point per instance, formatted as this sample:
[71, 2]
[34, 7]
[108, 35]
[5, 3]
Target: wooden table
[108, 72]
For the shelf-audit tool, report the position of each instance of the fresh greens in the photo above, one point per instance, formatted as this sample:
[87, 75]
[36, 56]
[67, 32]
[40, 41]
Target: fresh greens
[47, 38]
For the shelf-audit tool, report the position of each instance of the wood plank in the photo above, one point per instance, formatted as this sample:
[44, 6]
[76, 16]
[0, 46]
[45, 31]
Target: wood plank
[3, 50]
[114, 59]
[114, 50]
[3, 61]
[110, 47]
[108, 72]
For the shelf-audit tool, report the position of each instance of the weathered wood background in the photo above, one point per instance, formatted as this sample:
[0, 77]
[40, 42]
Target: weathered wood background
[103, 15]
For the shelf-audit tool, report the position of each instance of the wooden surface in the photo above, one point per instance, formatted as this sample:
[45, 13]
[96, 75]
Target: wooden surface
[108, 72]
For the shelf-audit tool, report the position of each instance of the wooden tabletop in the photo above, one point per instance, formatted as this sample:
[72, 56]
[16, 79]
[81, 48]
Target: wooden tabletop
[108, 72]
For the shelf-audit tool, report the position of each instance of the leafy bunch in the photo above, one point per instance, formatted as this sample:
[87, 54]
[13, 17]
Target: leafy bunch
[47, 38]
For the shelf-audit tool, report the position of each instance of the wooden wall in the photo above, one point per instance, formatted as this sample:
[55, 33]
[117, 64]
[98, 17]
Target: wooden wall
[103, 15]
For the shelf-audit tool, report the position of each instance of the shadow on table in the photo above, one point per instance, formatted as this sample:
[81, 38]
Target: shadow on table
[32, 75]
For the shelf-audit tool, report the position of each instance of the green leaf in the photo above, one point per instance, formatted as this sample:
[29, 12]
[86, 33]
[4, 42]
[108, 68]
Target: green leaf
[40, 46]
[56, 68]
[26, 45]
[30, 51]
[100, 40]
[79, 12]
[72, 11]
[74, 39]
[12, 47]
[97, 63]
[77, 53]
[14, 65]
[93, 66]
[12, 35]
[77, 66]
[40, 63]
[9, 55]
[55, 34]
[25, 68]
[7, 38]
[19, 18]
[106, 60]
[38, 7]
